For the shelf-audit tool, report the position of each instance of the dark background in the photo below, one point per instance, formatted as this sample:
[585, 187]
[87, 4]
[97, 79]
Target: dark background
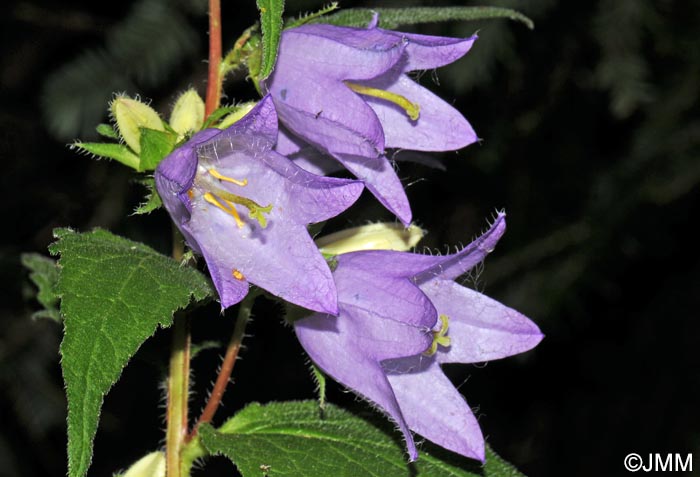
[591, 135]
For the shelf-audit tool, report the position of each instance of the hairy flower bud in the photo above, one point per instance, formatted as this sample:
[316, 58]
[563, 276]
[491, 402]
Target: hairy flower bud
[380, 236]
[188, 113]
[131, 115]
[150, 465]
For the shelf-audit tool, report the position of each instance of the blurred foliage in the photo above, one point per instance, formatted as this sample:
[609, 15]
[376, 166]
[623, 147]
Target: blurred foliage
[590, 132]
[139, 52]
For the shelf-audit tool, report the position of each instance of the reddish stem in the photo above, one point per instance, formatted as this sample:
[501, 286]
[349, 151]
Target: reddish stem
[227, 365]
[215, 52]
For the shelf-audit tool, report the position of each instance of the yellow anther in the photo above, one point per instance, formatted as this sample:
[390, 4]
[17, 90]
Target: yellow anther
[237, 274]
[226, 207]
[222, 177]
[439, 337]
[412, 109]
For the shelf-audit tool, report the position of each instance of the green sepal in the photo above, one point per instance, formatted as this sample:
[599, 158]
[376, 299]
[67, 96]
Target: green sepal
[118, 152]
[320, 379]
[271, 24]
[310, 17]
[391, 18]
[152, 201]
[297, 439]
[44, 273]
[107, 131]
[218, 114]
[115, 293]
[155, 145]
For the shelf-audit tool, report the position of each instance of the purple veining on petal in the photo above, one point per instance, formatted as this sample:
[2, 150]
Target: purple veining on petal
[387, 302]
[245, 208]
[317, 102]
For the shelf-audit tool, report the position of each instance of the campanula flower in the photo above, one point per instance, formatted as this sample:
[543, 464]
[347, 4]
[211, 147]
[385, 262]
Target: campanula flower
[352, 99]
[245, 208]
[401, 316]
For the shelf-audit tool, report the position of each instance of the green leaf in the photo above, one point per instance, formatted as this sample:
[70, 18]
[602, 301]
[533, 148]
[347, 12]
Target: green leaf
[152, 200]
[114, 294]
[44, 274]
[107, 131]
[155, 145]
[271, 24]
[292, 439]
[118, 152]
[391, 18]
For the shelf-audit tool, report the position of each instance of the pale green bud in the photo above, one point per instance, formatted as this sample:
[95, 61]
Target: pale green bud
[131, 115]
[381, 236]
[188, 113]
[241, 110]
[150, 465]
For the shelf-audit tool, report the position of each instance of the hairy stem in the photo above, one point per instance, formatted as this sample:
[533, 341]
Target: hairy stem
[178, 384]
[215, 51]
[178, 388]
[234, 346]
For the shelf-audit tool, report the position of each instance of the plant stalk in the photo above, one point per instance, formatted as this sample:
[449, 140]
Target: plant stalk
[234, 346]
[215, 77]
[178, 384]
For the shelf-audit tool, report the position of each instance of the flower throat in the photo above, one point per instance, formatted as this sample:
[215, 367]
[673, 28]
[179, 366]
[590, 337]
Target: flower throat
[227, 201]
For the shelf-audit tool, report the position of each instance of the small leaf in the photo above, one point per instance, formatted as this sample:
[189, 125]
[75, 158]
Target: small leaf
[271, 24]
[290, 439]
[391, 18]
[118, 152]
[155, 145]
[107, 131]
[152, 200]
[114, 294]
[44, 274]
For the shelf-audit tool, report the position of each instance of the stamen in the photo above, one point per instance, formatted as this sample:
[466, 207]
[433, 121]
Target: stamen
[222, 177]
[237, 274]
[439, 337]
[231, 210]
[412, 109]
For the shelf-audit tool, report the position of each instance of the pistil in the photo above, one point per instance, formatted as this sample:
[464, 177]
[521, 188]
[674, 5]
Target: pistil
[439, 337]
[412, 109]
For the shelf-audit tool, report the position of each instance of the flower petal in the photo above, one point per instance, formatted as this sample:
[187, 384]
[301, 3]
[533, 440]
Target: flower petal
[304, 155]
[174, 176]
[312, 198]
[381, 180]
[449, 267]
[433, 407]
[328, 115]
[348, 348]
[343, 53]
[384, 297]
[440, 127]
[480, 328]
[282, 258]
[261, 122]
[427, 52]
